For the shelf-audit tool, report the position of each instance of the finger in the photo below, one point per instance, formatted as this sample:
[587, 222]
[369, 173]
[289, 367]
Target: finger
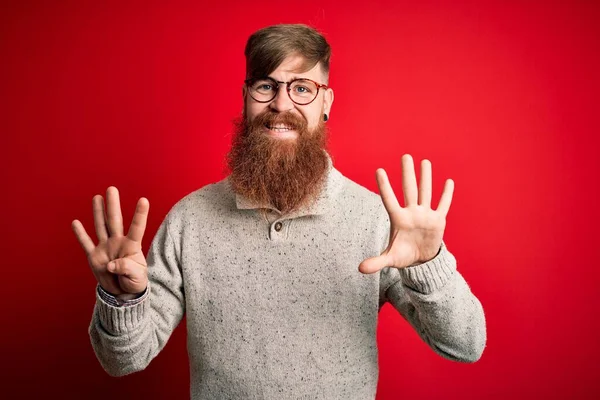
[425, 184]
[374, 264]
[113, 212]
[388, 197]
[126, 267]
[138, 223]
[409, 181]
[446, 198]
[99, 218]
[84, 239]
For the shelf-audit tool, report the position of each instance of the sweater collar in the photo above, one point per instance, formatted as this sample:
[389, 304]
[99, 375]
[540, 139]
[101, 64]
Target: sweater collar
[323, 203]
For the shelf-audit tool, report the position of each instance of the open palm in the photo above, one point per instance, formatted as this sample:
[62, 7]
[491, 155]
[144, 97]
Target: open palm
[416, 230]
[117, 262]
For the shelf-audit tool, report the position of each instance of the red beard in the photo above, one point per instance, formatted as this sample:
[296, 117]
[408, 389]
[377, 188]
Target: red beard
[286, 174]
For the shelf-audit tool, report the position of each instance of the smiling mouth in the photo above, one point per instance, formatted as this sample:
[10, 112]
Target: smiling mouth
[279, 128]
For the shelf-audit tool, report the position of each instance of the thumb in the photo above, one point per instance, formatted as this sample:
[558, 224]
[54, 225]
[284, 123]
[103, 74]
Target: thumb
[374, 264]
[125, 267]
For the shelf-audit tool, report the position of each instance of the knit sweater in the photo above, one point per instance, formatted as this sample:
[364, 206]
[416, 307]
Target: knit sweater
[275, 305]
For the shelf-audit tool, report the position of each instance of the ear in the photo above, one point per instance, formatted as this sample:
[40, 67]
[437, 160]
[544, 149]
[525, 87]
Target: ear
[244, 93]
[328, 101]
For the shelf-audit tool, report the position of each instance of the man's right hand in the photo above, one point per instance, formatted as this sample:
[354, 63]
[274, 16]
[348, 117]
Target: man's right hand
[117, 262]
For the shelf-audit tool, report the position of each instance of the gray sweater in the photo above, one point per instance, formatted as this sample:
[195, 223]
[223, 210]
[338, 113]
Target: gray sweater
[275, 305]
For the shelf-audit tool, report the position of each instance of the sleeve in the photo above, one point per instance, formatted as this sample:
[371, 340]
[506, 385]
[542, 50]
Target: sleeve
[438, 303]
[116, 302]
[125, 339]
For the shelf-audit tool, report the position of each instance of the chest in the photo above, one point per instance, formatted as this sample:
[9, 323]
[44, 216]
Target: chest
[249, 266]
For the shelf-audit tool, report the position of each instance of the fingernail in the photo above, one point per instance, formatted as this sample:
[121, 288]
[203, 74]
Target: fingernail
[111, 266]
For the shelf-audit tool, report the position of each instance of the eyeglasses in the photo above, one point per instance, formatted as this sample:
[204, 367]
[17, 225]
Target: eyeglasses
[302, 91]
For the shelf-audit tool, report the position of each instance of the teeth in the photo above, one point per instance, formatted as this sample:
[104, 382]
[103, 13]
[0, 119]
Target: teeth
[279, 128]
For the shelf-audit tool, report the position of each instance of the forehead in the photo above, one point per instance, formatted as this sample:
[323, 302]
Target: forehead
[293, 67]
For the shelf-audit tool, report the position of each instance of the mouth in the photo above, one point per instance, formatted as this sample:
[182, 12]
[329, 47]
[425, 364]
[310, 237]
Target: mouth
[278, 128]
[281, 130]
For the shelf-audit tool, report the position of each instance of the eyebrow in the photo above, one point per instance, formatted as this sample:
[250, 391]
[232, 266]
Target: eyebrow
[293, 78]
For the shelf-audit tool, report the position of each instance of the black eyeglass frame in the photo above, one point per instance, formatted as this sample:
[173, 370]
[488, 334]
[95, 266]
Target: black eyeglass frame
[250, 81]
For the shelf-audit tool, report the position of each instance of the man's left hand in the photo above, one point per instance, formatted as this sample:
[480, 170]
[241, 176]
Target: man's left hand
[416, 230]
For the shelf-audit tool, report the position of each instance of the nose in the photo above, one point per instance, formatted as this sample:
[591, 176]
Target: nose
[282, 101]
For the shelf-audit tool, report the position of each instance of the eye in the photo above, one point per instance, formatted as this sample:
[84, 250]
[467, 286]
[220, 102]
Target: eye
[263, 86]
[304, 88]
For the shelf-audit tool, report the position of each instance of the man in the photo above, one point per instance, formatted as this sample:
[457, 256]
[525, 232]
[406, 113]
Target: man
[282, 267]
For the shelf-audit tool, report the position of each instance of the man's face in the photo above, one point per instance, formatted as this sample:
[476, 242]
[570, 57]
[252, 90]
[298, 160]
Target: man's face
[312, 113]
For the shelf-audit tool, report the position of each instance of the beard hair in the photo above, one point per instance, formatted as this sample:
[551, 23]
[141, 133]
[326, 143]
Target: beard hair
[286, 174]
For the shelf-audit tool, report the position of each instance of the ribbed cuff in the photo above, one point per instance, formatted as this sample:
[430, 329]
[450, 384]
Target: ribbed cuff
[432, 275]
[118, 320]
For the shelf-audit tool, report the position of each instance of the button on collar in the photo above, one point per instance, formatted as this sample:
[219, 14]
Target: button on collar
[278, 226]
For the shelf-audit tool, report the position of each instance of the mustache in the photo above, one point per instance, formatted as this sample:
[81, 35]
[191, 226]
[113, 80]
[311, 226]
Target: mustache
[270, 118]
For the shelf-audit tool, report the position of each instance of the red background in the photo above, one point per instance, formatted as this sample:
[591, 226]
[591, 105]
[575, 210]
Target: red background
[501, 97]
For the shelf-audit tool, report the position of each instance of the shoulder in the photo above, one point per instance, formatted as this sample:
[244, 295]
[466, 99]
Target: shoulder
[209, 200]
[353, 195]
